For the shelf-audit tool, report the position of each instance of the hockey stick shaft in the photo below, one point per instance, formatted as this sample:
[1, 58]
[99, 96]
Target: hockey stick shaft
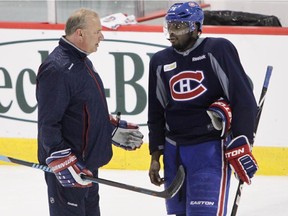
[263, 96]
[260, 107]
[166, 194]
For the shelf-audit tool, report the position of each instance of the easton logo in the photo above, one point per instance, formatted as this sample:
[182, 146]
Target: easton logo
[187, 85]
[207, 203]
[234, 153]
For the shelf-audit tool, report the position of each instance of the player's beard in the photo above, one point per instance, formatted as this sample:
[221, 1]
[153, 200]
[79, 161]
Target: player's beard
[183, 42]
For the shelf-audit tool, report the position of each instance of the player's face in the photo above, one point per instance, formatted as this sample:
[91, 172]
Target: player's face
[182, 35]
[92, 35]
[183, 42]
[178, 27]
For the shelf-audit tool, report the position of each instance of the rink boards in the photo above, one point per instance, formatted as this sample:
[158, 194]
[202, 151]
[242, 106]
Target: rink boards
[271, 160]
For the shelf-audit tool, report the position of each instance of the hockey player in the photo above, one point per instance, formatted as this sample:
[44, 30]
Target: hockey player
[188, 123]
[75, 130]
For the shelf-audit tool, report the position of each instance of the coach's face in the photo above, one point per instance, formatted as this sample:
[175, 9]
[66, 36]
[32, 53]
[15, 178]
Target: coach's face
[91, 35]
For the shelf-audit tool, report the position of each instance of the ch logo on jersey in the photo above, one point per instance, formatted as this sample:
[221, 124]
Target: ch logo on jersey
[187, 85]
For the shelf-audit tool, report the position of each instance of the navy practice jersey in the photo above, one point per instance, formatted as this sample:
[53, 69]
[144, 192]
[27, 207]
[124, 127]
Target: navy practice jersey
[183, 85]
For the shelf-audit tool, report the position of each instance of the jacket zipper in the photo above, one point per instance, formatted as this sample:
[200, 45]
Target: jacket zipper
[85, 131]
[97, 84]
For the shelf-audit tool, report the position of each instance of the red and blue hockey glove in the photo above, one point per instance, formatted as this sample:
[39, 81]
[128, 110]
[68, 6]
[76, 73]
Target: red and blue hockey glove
[238, 154]
[221, 116]
[67, 169]
[126, 135]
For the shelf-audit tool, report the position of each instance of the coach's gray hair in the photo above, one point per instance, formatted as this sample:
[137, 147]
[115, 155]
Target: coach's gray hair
[78, 20]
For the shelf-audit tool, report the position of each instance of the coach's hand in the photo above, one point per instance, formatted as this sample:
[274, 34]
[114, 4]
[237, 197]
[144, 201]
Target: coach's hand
[238, 154]
[67, 169]
[126, 135]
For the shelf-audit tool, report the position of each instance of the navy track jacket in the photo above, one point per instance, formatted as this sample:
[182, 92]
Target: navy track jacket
[183, 85]
[72, 108]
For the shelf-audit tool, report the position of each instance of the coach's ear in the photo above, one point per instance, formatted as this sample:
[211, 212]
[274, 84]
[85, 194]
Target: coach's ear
[221, 116]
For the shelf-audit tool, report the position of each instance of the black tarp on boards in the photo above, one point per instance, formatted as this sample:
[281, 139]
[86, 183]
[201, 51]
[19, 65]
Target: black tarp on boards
[236, 18]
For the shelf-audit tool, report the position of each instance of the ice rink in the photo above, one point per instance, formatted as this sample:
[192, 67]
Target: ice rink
[23, 193]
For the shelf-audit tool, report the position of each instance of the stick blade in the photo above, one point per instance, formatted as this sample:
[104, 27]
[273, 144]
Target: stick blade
[176, 184]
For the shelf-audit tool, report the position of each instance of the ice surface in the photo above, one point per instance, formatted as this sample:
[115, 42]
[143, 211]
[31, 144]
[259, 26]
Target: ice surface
[23, 193]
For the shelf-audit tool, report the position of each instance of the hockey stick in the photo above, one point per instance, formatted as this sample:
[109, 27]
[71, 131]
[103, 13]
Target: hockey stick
[166, 194]
[260, 107]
